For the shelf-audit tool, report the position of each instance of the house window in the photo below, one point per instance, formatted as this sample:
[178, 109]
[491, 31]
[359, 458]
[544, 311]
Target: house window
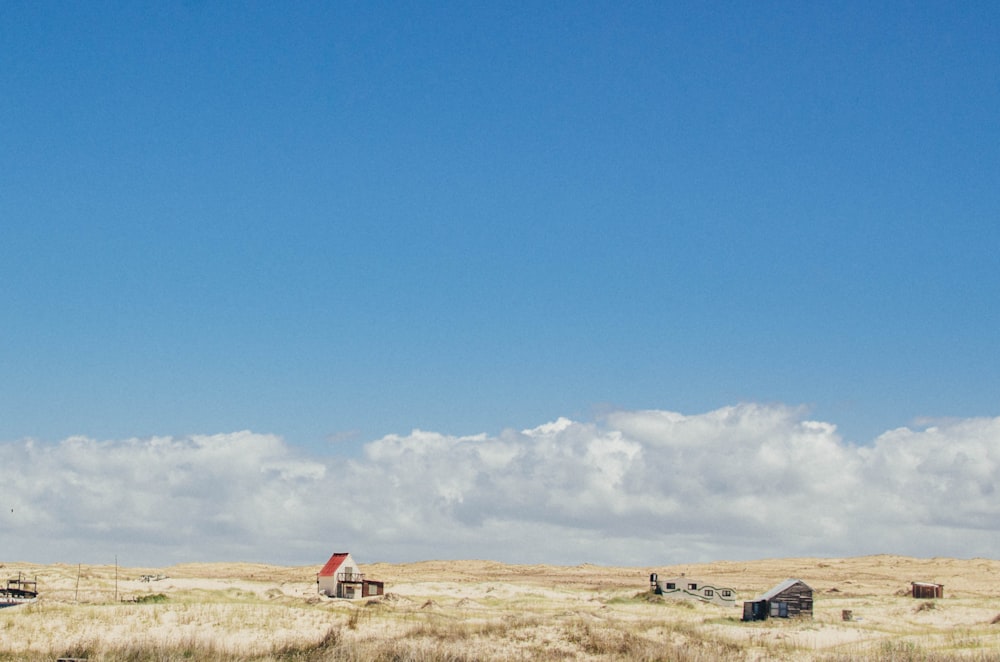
[726, 593]
[692, 587]
[671, 586]
[709, 592]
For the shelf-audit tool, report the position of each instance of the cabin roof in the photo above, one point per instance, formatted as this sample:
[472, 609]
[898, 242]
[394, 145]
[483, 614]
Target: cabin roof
[333, 564]
[783, 586]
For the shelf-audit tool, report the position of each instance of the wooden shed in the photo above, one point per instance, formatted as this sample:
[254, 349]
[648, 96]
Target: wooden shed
[792, 598]
[927, 590]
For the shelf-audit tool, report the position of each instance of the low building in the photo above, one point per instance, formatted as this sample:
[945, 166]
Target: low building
[927, 590]
[791, 598]
[691, 588]
[342, 578]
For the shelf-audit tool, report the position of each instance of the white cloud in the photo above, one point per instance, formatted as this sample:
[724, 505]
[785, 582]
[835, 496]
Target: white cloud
[637, 487]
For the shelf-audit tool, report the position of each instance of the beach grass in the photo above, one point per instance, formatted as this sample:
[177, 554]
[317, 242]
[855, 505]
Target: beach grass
[469, 610]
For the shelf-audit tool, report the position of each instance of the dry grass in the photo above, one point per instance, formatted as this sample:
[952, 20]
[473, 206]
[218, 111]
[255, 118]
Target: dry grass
[473, 610]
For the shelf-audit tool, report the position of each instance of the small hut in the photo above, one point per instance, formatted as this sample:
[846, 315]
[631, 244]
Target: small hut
[792, 598]
[927, 590]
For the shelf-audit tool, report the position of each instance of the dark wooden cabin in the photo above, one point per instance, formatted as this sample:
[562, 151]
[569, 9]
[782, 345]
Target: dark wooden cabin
[927, 590]
[791, 598]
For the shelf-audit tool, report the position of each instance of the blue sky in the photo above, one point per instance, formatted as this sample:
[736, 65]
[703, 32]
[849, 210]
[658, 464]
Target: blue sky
[318, 219]
[333, 222]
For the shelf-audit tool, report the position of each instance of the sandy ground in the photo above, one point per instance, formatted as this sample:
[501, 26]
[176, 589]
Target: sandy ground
[254, 607]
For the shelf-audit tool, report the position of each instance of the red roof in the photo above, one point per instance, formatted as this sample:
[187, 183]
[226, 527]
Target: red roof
[331, 566]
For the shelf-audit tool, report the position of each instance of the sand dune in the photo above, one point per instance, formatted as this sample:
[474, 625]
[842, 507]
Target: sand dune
[490, 610]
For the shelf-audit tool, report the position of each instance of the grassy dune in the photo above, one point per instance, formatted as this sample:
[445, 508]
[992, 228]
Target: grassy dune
[480, 610]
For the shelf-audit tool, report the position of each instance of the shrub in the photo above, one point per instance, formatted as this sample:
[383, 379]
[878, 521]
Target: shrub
[151, 598]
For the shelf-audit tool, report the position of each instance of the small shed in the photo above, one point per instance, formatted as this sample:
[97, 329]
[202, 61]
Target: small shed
[691, 588]
[792, 598]
[927, 590]
[341, 578]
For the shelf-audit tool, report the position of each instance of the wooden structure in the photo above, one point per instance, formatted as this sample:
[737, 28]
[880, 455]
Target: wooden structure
[927, 590]
[690, 588]
[792, 598]
[341, 578]
[18, 592]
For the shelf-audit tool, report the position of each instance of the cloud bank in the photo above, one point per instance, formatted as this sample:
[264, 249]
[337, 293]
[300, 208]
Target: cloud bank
[635, 488]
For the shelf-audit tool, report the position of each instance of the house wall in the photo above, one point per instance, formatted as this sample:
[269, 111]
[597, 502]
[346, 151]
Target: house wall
[925, 590]
[329, 585]
[689, 588]
[798, 600]
[371, 588]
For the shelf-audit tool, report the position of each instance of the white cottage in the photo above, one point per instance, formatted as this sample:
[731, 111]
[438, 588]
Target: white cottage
[341, 578]
[689, 588]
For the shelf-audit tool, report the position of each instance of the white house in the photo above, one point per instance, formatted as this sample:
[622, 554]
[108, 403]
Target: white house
[689, 588]
[341, 578]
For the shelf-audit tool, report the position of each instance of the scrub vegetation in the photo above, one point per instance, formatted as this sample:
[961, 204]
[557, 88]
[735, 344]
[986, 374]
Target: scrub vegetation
[471, 610]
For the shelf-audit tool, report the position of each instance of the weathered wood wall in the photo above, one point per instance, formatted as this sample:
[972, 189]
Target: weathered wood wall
[799, 599]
